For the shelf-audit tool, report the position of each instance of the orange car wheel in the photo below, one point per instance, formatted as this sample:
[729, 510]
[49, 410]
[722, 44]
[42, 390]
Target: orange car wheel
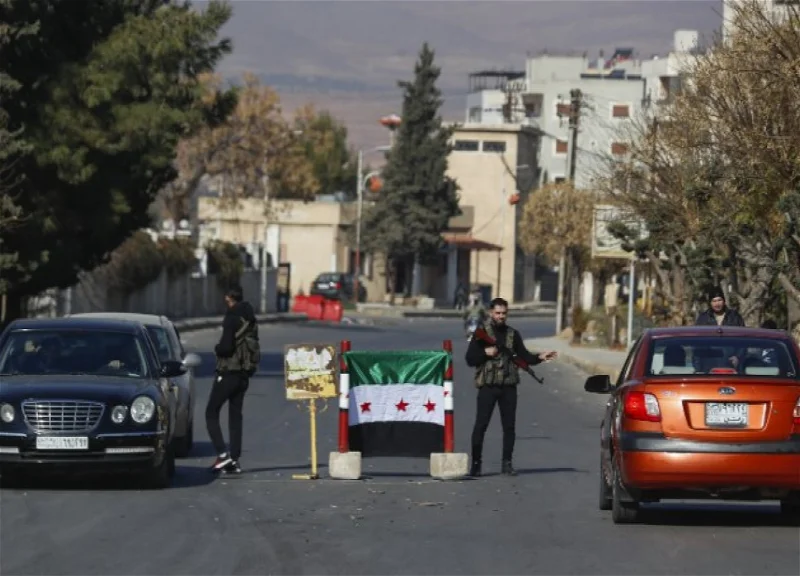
[790, 508]
[604, 501]
[622, 512]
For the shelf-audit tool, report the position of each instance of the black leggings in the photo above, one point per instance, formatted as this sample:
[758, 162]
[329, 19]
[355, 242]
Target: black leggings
[506, 399]
[229, 387]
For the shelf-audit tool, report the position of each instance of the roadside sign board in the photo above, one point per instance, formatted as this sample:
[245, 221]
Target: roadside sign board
[310, 371]
[604, 245]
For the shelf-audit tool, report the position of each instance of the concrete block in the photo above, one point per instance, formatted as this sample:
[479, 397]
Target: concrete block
[449, 465]
[344, 465]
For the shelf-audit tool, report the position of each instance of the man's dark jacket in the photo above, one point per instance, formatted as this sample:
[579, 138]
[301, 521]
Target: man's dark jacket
[731, 318]
[230, 325]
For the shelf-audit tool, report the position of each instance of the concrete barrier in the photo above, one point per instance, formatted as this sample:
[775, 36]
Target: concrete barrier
[344, 465]
[449, 465]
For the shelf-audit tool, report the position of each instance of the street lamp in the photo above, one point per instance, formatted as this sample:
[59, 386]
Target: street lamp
[360, 196]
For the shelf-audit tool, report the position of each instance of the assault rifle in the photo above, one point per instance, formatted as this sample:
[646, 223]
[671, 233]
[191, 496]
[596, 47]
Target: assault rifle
[484, 337]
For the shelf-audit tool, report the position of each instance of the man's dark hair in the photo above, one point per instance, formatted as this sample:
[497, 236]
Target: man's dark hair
[501, 302]
[770, 324]
[716, 293]
[235, 293]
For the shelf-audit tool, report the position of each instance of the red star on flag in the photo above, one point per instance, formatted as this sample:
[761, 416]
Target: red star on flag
[365, 406]
[430, 405]
[402, 405]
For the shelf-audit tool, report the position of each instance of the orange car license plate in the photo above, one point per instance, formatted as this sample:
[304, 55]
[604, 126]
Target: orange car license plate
[726, 414]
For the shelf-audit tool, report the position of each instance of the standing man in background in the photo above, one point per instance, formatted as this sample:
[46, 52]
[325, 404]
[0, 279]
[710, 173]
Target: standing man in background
[238, 355]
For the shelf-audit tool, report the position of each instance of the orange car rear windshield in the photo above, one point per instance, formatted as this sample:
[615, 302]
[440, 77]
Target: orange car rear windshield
[715, 356]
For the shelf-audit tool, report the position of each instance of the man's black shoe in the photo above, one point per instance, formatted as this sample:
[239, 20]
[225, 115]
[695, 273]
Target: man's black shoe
[232, 469]
[475, 470]
[508, 469]
[222, 462]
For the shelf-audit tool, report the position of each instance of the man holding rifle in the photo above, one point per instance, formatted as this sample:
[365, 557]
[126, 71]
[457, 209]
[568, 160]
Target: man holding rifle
[497, 352]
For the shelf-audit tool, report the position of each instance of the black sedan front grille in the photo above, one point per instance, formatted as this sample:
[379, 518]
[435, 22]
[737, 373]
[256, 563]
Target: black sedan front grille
[62, 415]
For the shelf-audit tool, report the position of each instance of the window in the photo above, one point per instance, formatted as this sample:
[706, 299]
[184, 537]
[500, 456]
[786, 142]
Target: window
[712, 356]
[563, 109]
[619, 148]
[494, 146]
[465, 146]
[475, 114]
[562, 146]
[159, 337]
[620, 111]
[60, 352]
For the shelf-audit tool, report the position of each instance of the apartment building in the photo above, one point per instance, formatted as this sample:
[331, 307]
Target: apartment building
[779, 8]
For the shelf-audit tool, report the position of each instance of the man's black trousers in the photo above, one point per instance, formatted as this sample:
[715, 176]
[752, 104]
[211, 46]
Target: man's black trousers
[506, 399]
[229, 387]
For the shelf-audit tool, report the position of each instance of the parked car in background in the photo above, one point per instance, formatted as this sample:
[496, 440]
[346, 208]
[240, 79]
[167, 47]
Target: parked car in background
[699, 413]
[337, 286]
[87, 395]
[168, 343]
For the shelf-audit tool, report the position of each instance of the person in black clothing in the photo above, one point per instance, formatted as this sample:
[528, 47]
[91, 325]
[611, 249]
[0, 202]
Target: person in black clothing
[496, 378]
[231, 381]
[718, 313]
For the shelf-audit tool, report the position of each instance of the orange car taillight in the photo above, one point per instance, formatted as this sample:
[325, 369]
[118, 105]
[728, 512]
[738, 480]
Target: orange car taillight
[796, 413]
[642, 406]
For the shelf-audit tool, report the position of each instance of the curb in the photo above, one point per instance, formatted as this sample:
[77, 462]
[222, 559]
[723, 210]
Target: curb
[569, 357]
[444, 314]
[192, 324]
[591, 368]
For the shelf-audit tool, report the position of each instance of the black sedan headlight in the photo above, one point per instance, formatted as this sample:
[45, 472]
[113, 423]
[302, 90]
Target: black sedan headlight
[142, 409]
[7, 413]
[118, 414]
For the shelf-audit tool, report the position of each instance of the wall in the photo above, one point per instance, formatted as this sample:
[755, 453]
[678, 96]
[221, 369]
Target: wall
[181, 297]
[486, 184]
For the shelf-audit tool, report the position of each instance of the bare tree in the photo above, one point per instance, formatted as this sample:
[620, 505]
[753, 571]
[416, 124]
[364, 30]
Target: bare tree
[715, 173]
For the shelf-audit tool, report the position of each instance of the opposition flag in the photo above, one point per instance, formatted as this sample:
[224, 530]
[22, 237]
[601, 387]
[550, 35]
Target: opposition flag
[396, 404]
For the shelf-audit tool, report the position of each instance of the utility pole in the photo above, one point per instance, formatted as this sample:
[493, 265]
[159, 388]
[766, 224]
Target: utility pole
[576, 97]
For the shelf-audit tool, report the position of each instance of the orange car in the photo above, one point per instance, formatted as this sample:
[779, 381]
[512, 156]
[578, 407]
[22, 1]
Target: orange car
[702, 412]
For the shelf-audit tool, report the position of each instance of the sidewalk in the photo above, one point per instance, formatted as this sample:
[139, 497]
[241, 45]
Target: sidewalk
[538, 309]
[588, 359]
[190, 324]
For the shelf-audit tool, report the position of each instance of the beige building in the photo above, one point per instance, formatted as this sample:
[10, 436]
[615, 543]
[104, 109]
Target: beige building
[495, 166]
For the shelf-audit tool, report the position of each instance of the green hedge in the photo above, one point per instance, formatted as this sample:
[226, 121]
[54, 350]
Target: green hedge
[139, 261]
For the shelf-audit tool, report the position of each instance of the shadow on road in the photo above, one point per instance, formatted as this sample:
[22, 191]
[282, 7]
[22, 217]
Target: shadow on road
[728, 515]
[185, 477]
[298, 467]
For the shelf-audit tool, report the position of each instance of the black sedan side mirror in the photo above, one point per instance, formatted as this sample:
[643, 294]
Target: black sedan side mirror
[598, 384]
[172, 369]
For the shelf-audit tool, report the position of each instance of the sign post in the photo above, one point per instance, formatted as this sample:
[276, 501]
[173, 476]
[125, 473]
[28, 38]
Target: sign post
[605, 245]
[310, 371]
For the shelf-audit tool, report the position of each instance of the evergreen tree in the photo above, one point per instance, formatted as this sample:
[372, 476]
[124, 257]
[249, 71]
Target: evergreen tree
[106, 91]
[418, 198]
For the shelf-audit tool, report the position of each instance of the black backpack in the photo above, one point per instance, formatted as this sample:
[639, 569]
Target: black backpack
[248, 348]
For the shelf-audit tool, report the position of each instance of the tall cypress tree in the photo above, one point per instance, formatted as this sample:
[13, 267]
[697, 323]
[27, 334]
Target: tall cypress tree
[418, 199]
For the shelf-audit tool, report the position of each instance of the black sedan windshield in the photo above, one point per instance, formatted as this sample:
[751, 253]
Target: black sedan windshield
[51, 352]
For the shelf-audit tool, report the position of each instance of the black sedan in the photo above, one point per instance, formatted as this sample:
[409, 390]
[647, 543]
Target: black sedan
[86, 395]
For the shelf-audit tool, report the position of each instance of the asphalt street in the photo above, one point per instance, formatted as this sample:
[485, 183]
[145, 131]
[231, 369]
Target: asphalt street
[397, 520]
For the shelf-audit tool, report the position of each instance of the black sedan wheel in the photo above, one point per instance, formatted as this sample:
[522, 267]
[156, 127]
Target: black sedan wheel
[161, 477]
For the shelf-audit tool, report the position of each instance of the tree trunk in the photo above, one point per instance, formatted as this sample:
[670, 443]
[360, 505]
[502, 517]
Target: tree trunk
[391, 276]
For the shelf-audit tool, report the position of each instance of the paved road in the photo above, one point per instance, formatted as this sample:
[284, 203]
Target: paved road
[398, 521]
